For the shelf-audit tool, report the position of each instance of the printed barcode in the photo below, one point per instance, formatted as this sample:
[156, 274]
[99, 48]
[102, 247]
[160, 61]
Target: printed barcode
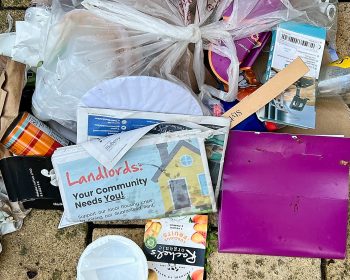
[298, 41]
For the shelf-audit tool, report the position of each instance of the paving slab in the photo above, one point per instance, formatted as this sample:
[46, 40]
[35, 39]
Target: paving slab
[244, 267]
[40, 251]
[15, 14]
[135, 234]
[15, 3]
[340, 269]
[343, 34]
[213, 219]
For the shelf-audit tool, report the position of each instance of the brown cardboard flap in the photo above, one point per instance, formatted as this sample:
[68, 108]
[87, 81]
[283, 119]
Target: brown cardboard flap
[3, 62]
[13, 86]
[270, 90]
[3, 93]
[332, 118]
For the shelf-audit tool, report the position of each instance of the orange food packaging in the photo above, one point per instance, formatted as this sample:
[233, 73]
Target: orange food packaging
[28, 136]
[175, 247]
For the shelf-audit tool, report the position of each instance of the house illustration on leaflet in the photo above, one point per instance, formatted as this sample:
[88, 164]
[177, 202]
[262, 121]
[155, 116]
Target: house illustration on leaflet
[181, 178]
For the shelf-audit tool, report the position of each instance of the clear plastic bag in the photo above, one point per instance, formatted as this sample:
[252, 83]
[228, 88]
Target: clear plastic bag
[335, 79]
[321, 13]
[183, 23]
[81, 51]
[162, 38]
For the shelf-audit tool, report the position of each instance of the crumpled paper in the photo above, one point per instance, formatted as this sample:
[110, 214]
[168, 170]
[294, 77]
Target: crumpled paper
[11, 214]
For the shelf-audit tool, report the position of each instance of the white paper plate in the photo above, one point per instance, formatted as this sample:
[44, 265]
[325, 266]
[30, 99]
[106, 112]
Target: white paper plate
[112, 257]
[142, 93]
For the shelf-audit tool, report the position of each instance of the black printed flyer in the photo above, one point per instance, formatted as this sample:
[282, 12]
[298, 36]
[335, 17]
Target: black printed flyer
[32, 181]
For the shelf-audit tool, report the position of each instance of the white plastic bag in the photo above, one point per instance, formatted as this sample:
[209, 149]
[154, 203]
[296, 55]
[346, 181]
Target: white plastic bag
[182, 23]
[81, 51]
[30, 36]
[161, 38]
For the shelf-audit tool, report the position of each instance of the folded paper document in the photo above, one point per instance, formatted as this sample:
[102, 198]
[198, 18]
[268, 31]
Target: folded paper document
[95, 123]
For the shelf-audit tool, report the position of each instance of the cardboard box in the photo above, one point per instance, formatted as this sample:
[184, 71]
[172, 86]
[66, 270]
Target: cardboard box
[332, 118]
[175, 247]
[296, 106]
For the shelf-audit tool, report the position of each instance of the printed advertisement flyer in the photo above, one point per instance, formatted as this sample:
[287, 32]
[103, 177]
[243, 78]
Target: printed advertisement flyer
[164, 175]
[175, 247]
[95, 123]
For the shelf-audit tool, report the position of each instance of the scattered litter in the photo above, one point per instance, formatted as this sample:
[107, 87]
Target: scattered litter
[122, 110]
[96, 123]
[11, 214]
[264, 94]
[338, 124]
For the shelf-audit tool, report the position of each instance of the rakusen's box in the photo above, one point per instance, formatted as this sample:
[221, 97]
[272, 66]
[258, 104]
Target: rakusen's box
[175, 247]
